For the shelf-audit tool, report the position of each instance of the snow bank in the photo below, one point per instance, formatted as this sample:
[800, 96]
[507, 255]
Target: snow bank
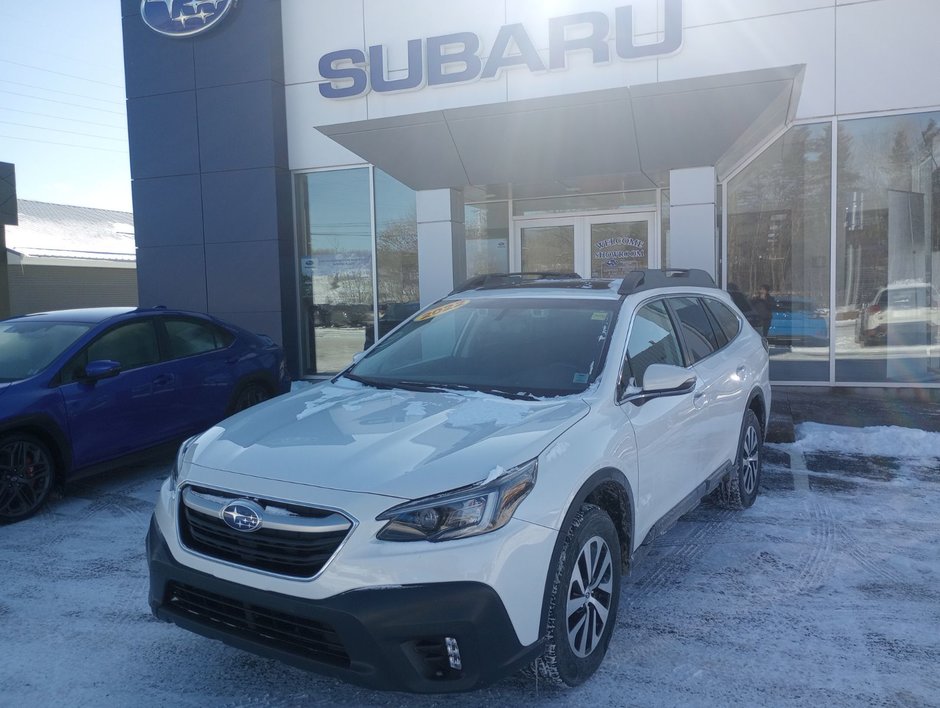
[887, 441]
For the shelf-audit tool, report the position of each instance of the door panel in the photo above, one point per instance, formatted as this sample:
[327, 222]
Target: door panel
[547, 248]
[598, 246]
[617, 247]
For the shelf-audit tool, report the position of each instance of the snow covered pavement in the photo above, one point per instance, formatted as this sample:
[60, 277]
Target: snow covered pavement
[826, 592]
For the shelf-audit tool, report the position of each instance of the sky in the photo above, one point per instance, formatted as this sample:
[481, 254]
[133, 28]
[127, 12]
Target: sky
[63, 122]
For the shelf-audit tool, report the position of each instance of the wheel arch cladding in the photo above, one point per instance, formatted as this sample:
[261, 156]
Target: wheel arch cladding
[756, 403]
[609, 490]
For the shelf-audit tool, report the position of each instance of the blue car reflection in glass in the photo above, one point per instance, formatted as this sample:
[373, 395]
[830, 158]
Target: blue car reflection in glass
[798, 321]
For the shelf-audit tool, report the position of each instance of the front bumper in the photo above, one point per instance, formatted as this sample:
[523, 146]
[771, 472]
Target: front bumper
[389, 638]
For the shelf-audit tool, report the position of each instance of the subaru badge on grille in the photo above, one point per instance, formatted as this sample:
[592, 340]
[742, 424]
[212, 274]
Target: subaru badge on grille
[242, 515]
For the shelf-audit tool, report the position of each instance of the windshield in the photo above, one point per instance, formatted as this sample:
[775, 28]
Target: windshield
[26, 348]
[518, 347]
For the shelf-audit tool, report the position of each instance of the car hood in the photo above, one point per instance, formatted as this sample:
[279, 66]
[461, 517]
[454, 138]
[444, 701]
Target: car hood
[404, 444]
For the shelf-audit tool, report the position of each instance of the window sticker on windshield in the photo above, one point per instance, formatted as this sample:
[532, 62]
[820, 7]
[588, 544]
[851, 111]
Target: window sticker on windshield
[580, 378]
[449, 307]
[599, 316]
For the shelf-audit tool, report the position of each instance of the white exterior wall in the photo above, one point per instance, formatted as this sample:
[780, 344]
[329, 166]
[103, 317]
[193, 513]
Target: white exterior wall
[861, 56]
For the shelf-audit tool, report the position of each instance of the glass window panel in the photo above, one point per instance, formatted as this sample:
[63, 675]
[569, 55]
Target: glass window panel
[652, 341]
[396, 236]
[617, 248]
[487, 230]
[133, 345]
[888, 250]
[548, 248]
[336, 267]
[584, 202]
[696, 328]
[188, 337]
[779, 237]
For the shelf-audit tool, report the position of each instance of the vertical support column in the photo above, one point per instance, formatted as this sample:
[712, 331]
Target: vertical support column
[8, 217]
[442, 248]
[692, 240]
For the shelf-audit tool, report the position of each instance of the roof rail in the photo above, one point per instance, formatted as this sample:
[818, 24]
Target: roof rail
[497, 280]
[638, 280]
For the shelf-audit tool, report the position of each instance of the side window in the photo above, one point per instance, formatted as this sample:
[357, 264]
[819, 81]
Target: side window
[726, 319]
[652, 341]
[189, 337]
[133, 345]
[696, 329]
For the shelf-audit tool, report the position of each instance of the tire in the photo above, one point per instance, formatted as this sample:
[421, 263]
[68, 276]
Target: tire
[248, 395]
[27, 473]
[590, 557]
[740, 489]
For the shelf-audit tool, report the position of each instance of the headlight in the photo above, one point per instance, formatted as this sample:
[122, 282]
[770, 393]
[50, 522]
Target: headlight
[175, 472]
[469, 511]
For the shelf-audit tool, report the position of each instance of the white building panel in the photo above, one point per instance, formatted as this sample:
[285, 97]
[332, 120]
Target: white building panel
[313, 28]
[761, 43]
[888, 56]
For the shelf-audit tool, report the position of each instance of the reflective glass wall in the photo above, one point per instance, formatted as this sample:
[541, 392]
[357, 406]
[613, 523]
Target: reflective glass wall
[888, 250]
[779, 249]
[343, 218]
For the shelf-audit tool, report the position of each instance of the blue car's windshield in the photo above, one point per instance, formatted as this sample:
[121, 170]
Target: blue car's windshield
[517, 347]
[26, 348]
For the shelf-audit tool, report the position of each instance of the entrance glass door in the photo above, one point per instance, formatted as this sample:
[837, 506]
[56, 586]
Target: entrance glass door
[618, 246]
[596, 246]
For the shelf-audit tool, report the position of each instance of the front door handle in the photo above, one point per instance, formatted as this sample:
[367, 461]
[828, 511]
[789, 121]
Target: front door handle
[699, 399]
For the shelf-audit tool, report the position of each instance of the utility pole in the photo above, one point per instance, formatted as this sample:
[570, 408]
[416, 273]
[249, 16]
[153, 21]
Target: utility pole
[8, 212]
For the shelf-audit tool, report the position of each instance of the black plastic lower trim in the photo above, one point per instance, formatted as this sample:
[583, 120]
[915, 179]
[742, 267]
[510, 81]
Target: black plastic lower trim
[389, 638]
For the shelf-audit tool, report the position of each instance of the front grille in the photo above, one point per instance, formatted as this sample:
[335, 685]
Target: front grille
[293, 540]
[302, 637]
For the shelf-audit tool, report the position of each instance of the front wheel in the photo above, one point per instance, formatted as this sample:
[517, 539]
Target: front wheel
[740, 489]
[27, 472]
[584, 596]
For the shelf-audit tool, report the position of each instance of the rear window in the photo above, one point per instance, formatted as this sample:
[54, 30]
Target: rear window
[726, 319]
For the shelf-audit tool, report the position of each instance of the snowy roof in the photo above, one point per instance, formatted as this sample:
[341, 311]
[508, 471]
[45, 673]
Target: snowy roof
[59, 231]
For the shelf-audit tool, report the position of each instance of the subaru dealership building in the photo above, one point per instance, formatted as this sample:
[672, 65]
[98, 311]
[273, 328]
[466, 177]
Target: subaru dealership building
[318, 170]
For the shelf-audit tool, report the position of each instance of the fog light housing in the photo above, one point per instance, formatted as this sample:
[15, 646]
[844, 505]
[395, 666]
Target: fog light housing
[453, 653]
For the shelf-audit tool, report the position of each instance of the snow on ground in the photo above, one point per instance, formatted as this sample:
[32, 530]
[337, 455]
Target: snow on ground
[826, 592]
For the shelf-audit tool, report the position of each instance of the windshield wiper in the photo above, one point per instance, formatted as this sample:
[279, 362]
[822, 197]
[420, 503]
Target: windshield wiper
[391, 385]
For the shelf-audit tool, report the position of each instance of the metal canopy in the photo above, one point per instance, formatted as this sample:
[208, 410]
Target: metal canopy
[632, 135]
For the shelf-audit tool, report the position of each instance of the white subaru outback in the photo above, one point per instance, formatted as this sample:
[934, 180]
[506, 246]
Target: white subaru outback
[462, 501]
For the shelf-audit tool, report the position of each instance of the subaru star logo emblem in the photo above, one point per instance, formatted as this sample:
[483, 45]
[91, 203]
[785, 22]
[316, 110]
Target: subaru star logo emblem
[242, 515]
[179, 18]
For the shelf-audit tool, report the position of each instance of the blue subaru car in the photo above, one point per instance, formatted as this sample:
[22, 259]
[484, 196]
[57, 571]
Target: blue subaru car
[83, 388]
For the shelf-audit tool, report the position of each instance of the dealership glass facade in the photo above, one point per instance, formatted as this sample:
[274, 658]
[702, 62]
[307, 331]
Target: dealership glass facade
[778, 237]
[888, 250]
[863, 309]
[878, 321]
[344, 217]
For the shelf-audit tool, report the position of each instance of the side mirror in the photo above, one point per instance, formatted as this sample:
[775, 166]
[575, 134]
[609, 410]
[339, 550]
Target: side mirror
[102, 369]
[660, 380]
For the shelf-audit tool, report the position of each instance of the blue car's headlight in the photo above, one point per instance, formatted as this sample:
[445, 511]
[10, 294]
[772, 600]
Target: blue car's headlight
[469, 511]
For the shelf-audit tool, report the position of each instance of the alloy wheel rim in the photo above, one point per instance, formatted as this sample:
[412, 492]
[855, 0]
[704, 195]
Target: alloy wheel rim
[590, 592]
[25, 476]
[750, 460]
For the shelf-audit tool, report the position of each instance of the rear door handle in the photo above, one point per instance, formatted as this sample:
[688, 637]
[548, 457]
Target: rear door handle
[163, 380]
[742, 370]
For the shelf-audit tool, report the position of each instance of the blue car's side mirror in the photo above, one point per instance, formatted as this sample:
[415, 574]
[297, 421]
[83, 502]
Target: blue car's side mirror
[102, 369]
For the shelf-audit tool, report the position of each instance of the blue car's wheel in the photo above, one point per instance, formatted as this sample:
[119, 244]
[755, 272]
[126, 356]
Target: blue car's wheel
[249, 394]
[27, 471]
